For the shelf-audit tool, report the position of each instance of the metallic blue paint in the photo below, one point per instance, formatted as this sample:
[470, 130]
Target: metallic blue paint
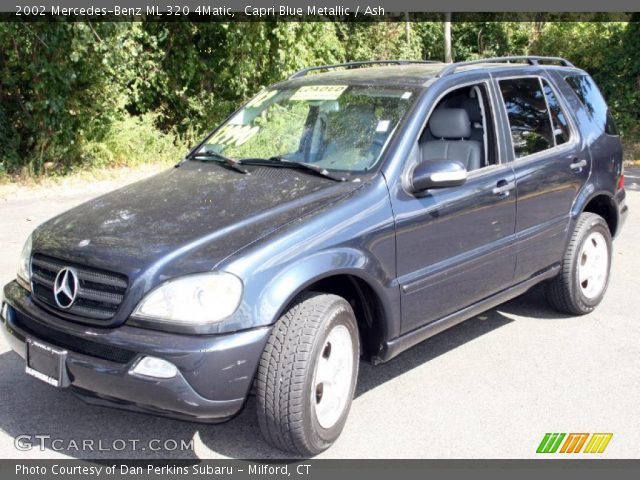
[431, 260]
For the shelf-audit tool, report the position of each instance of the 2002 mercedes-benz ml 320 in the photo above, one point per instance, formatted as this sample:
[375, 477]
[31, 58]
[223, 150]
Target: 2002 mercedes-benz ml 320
[335, 216]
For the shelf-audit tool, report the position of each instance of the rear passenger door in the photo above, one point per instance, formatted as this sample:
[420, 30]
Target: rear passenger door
[550, 163]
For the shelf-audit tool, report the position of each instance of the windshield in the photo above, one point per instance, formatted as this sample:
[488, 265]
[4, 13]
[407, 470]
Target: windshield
[337, 127]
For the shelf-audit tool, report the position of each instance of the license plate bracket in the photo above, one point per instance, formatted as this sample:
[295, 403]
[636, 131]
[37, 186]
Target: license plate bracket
[46, 363]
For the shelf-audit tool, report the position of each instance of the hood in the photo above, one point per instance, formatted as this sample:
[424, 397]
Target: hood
[184, 220]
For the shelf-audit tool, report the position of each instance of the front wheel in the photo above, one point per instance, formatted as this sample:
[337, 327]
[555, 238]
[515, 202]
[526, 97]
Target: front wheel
[307, 374]
[584, 276]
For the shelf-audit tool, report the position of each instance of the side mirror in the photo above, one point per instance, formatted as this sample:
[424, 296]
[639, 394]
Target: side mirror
[437, 174]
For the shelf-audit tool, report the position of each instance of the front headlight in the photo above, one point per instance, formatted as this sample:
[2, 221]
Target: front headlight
[192, 300]
[24, 268]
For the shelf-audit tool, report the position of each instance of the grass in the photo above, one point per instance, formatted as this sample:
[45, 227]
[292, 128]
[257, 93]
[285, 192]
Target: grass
[132, 149]
[129, 143]
[134, 141]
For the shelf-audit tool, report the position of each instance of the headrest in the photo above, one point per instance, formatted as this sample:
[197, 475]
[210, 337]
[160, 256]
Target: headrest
[473, 109]
[450, 123]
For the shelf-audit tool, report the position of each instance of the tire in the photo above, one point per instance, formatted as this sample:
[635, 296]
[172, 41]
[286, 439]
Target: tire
[584, 275]
[290, 411]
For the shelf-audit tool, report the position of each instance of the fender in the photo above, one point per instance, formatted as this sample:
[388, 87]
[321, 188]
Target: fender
[587, 194]
[347, 238]
[283, 288]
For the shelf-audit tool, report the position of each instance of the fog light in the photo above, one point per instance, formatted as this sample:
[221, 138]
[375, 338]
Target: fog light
[154, 367]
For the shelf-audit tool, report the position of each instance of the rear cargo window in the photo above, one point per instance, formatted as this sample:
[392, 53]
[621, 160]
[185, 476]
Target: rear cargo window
[588, 93]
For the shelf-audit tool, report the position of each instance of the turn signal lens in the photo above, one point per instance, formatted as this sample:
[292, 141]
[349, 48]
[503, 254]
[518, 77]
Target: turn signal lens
[155, 367]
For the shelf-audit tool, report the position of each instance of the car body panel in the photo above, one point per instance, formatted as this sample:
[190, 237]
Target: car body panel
[430, 260]
[184, 220]
[546, 188]
[354, 236]
[231, 359]
[437, 275]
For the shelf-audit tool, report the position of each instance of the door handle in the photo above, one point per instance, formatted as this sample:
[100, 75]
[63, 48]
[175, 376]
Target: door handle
[578, 164]
[503, 188]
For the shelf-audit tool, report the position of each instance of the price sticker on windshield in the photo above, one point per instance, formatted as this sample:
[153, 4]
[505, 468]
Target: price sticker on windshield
[319, 92]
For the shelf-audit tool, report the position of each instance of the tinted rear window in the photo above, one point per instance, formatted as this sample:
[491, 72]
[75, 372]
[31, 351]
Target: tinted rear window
[529, 120]
[561, 130]
[590, 96]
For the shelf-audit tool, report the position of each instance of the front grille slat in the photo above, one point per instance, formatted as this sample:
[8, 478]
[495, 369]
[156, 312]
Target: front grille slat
[37, 261]
[99, 278]
[90, 312]
[99, 295]
[41, 279]
[83, 274]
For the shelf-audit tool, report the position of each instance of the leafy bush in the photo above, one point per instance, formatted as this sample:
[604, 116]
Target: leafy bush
[135, 140]
[75, 94]
[609, 52]
[60, 82]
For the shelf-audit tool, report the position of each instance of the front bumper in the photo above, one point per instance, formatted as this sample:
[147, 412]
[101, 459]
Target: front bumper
[215, 371]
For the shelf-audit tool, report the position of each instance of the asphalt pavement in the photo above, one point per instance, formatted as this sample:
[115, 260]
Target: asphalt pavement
[488, 388]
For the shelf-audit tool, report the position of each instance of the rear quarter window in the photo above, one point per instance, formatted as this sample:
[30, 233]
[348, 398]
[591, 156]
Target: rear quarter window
[588, 93]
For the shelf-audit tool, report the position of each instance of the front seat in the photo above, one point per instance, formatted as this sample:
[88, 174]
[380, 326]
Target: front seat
[453, 129]
[472, 108]
[475, 116]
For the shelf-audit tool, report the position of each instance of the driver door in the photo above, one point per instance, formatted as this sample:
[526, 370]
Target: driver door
[455, 246]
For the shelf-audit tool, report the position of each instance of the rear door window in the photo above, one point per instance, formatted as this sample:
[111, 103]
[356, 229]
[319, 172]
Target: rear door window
[529, 119]
[588, 93]
[561, 130]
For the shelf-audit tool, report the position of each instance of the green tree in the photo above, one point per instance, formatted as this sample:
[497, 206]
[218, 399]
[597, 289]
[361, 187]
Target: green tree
[60, 83]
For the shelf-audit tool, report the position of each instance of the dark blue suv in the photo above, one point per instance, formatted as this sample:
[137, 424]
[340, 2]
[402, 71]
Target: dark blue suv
[335, 216]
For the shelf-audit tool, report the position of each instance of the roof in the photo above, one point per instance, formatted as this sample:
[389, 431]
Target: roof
[414, 75]
[409, 75]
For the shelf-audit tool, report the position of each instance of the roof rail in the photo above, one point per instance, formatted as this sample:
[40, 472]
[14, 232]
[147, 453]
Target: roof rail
[304, 71]
[530, 59]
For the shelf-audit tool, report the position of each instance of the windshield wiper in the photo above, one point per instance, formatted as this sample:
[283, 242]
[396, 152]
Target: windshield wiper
[280, 161]
[276, 160]
[230, 162]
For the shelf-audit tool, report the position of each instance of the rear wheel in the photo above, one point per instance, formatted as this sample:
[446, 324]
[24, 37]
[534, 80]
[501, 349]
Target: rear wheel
[584, 277]
[307, 374]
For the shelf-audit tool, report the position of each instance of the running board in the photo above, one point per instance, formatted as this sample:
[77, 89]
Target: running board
[398, 345]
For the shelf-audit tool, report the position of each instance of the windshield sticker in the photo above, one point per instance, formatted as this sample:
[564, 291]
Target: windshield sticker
[238, 118]
[406, 96]
[383, 126]
[234, 134]
[319, 92]
[259, 99]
